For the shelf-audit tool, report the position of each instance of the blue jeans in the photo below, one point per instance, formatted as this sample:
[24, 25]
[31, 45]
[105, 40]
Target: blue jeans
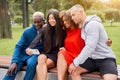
[30, 69]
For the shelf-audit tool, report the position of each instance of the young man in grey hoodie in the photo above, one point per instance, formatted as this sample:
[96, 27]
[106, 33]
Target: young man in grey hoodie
[96, 55]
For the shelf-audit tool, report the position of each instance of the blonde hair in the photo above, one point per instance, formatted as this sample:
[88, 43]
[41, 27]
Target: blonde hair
[77, 6]
[40, 14]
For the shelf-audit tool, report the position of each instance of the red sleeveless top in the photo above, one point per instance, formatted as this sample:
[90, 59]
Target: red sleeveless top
[73, 45]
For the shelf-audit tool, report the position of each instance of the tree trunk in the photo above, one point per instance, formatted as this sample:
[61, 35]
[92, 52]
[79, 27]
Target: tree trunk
[25, 13]
[5, 22]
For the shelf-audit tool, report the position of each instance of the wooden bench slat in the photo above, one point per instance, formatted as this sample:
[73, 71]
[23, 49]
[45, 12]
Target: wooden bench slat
[5, 61]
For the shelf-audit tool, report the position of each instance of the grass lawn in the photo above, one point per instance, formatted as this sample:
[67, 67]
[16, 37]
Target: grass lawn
[114, 34]
[7, 45]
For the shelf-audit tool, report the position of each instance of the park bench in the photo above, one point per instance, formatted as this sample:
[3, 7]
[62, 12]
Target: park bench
[52, 73]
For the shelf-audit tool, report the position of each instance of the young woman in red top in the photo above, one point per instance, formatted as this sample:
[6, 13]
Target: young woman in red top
[73, 45]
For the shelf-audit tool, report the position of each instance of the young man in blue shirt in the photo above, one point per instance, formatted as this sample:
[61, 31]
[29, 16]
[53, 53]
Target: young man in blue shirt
[20, 57]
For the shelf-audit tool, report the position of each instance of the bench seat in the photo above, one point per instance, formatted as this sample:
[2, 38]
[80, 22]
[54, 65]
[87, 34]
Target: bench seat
[5, 61]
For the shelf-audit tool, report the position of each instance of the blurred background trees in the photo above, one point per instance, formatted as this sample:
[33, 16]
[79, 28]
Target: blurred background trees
[22, 10]
[106, 10]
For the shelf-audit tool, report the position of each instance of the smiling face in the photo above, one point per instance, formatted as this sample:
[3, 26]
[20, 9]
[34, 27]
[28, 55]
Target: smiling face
[38, 22]
[66, 22]
[76, 16]
[51, 20]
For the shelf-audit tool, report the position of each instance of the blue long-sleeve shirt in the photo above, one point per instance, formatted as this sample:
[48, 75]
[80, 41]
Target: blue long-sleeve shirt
[27, 37]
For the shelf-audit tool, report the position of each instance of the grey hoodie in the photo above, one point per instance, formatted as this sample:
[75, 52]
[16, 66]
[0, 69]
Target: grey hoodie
[95, 38]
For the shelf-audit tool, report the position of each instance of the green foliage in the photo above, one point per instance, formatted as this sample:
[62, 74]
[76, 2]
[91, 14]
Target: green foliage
[45, 5]
[18, 19]
[104, 10]
[106, 14]
[99, 5]
[112, 14]
[15, 7]
[66, 4]
[87, 4]
[97, 12]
